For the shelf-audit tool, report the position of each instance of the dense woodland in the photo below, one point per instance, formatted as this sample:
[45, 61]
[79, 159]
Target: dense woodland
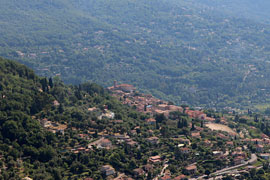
[189, 52]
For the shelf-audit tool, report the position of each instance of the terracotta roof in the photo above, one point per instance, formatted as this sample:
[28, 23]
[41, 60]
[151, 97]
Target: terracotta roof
[192, 167]
[182, 176]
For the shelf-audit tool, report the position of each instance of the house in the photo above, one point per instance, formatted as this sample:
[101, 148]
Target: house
[56, 103]
[153, 140]
[166, 177]
[27, 178]
[264, 136]
[184, 141]
[237, 153]
[257, 141]
[45, 123]
[217, 153]
[196, 135]
[163, 107]
[131, 143]
[222, 136]
[207, 143]
[123, 177]
[133, 132]
[105, 143]
[57, 128]
[191, 169]
[229, 144]
[180, 177]
[123, 87]
[107, 114]
[210, 119]
[196, 114]
[154, 159]
[175, 108]
[151, 121]
[184, 150]
[265, 156]
[107, 170]
[238, 160]
[148, 167]
[138, 172]
[92, 109]
[259, 148]
[121, 136]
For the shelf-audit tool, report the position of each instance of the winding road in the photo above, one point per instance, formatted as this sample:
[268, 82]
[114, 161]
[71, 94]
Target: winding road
[252, 160]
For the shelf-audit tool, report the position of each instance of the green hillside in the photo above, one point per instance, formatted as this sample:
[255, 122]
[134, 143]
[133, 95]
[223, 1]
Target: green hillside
[51, 131]
[28, 149]
[181, 51]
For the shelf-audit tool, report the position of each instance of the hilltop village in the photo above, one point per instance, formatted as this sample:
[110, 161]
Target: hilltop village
[233, 150]
[171, 142]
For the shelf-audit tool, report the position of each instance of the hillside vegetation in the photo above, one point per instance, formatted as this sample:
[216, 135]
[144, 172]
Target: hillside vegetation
[49, 130]
[189, 52]
[28, 148]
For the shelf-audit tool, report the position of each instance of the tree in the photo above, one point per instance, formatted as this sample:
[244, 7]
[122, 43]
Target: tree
[164, 131]
[10, 130]
[179, 124]
[50, 82]
[185, 123]
[236, 118]
[149, 176]
[46, 153]
[61, 108]
[256, 118]
[207, 172]
[267, 111]
[160, 118]
[193, 126]
[44, 84]
[202, 123]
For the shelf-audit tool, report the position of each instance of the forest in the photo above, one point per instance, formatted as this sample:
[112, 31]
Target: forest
[188, 52]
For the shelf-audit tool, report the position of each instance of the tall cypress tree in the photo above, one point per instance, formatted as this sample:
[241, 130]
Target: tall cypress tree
[50, 82]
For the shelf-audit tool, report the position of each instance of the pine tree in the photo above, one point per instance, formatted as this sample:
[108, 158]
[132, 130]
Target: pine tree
[202, 123]
[185, 123]
[44, 84]
[193, 126]
[61, 108]
[179, 124]
[236, 118]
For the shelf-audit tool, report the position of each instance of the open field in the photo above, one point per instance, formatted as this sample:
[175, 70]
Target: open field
[220, 127]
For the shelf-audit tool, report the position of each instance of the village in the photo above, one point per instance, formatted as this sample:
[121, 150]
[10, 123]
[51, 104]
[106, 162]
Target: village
[236, 151]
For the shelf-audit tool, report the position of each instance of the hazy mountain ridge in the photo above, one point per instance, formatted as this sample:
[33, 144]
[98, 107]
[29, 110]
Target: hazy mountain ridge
[172, 49]
[257, 10]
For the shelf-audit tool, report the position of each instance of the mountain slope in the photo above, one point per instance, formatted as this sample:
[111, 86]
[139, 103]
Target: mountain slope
[181, 51]
[40, 123]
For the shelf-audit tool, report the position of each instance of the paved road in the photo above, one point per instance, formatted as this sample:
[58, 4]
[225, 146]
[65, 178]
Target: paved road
[253, 159]
[162, 172]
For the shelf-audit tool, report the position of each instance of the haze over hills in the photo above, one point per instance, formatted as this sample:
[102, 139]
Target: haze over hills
[194, 52]
[256, 10]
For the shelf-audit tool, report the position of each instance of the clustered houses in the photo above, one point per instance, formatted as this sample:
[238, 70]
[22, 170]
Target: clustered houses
[232, 153]
[148, 104]
[144, 103]
[52, 126]
[107, 170]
